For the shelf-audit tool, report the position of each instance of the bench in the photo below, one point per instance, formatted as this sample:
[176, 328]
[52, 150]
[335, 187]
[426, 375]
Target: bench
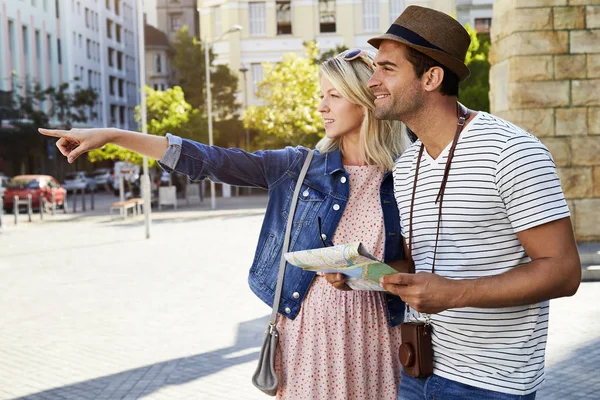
[131, 204]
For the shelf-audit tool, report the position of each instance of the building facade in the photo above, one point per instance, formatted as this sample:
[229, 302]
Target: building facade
[88, 43]
[272, 28]
[477, 13]
[159, 59]
[171, 15]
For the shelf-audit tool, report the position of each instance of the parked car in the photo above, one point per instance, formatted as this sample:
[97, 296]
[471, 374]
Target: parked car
[36, 185]
[78, 180]
[3, 183]
[103, 177]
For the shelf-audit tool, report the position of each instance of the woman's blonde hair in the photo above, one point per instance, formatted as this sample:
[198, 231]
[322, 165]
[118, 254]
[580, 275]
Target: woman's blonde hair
[381, 141]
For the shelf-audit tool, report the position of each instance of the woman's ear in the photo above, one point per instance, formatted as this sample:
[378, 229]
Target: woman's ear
[433, 78]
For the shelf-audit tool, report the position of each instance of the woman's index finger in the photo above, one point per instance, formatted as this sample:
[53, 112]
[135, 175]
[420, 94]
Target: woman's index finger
[53, 132]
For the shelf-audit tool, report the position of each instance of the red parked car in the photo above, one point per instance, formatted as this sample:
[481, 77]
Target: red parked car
[36, 185]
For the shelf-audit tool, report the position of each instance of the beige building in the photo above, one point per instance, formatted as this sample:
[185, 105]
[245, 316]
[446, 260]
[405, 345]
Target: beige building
[159, 59]
[171, 15]
[273, 28]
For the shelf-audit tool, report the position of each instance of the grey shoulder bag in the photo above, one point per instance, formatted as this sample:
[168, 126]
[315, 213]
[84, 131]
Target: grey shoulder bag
[265, 378]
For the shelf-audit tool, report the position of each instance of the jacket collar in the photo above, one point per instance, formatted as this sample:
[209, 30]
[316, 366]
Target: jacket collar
[333, 161]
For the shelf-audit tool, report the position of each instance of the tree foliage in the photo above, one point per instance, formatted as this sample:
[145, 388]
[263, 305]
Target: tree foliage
[326, 55]
[189, 64]
[474, 91]
[290, 97]
[167, 112]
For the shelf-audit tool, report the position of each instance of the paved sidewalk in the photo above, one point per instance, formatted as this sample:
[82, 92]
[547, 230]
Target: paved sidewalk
[89, 309]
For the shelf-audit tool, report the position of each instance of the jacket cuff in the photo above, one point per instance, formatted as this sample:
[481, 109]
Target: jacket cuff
[170, 159]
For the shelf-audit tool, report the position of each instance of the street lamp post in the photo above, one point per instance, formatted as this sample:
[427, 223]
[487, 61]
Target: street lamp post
[207, 43]
[244, 70]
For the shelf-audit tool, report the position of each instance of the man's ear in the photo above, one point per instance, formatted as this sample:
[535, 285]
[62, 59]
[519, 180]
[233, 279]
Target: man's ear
[432, 79]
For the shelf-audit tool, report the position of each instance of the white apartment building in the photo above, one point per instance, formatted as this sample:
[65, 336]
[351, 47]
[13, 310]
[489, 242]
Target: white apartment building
[91, 43]
[30, 43]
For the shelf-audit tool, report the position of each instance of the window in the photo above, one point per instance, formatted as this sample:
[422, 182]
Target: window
[87, 17]
[371, 15]
[108, 4]
[256, 12]
[111, 53]
[483, 25]
[122, 115]
[113, 114]
[25, 36]
[109, 25]
[119, 61]
[396, 8]
[257, 76]
[121, 93]
[88, 47]
[78, 8]
[284, 17]
[57, 7]
[48, 47]
[58, 51]
[90, 83]
[117, 7]
[118, 32]
[326, 16]
[175, 22]
[158, 64]
[216, 11]
[111, 85]
[80, 41]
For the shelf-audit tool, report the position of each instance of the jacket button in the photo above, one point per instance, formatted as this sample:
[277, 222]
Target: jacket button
[336, 207]
[343, 179]
[288, 310]
[323, 236]
[295, 295]
[305, 193]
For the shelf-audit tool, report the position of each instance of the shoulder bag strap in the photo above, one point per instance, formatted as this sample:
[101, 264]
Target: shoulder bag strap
[286, 242]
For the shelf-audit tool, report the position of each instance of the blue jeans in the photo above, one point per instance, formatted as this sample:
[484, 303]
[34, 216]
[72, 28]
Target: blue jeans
[438, 388]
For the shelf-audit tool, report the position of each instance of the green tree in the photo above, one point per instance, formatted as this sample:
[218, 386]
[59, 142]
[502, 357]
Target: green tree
[189, 64]
[474, 91]
[290, 94]
[167, 112]
[326, 55]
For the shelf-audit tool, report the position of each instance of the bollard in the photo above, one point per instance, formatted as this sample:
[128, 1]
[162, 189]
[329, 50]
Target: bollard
[29, 207]
[42, 207]
[74, 200]
[65, 205]
[1, 210]
[16, 209]
[53, 203]
[83, 199]
[92, 201]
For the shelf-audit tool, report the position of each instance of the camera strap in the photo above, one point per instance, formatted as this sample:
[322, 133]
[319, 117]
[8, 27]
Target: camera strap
[463, 115]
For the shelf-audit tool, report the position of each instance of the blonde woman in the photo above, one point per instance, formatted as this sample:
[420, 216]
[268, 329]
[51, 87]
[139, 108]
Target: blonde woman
[335, 343]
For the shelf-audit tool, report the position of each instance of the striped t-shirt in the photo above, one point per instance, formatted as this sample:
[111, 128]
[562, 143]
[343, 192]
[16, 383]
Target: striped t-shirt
[502, 181]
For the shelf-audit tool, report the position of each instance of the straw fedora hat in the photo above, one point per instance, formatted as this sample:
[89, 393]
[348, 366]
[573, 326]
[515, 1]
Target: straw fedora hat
[433, 33]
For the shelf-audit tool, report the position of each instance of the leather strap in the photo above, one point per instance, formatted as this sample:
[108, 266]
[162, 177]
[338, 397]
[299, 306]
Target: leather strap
[286, 242]
[463, 115]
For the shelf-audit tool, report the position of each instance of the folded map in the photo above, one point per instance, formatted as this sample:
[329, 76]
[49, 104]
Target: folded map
[361, 269]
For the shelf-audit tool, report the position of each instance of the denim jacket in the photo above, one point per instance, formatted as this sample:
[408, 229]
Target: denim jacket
[324, 194]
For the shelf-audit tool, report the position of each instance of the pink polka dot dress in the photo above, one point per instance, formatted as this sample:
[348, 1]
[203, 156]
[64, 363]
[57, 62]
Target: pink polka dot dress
[340, 345]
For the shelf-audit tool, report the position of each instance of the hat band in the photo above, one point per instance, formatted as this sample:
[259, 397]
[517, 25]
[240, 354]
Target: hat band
[412, 37]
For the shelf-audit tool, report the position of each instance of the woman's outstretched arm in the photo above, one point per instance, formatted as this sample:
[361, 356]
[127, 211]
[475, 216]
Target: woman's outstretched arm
[76, 142]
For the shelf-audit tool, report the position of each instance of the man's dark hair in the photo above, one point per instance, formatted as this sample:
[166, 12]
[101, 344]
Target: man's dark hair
[422, 63]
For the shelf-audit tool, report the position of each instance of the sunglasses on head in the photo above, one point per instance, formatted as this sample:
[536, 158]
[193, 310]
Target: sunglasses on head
[353, 54]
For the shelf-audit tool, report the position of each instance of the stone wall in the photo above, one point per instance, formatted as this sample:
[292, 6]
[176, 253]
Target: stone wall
[545, 77]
